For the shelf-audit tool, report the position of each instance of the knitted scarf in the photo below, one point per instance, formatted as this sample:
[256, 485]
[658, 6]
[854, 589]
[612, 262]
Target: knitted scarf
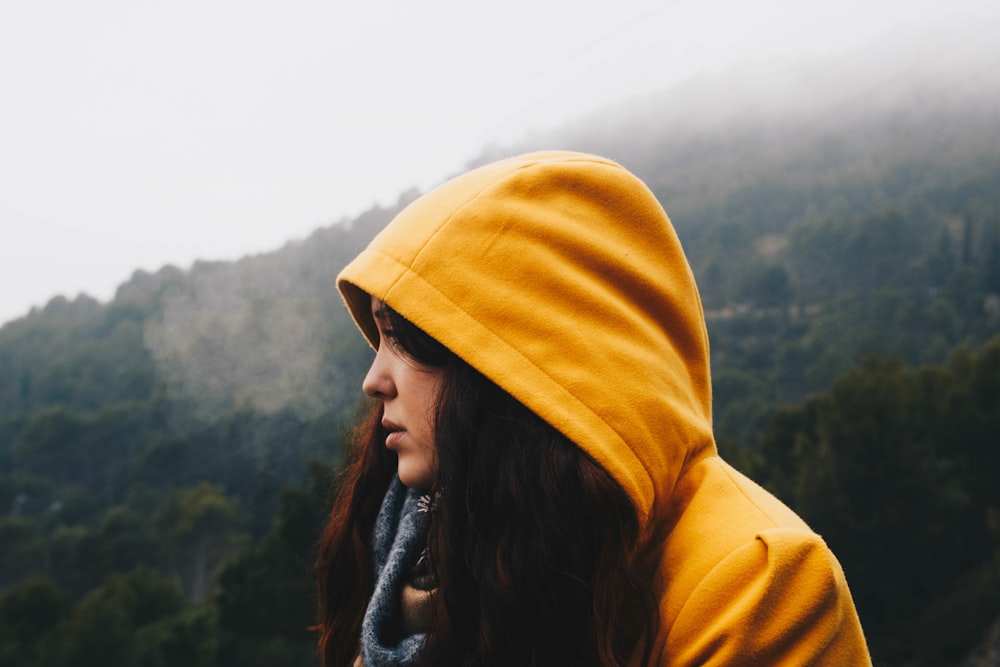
[399, 537]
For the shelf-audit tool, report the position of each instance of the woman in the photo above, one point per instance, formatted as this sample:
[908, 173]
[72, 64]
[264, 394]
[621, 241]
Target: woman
[542, 390]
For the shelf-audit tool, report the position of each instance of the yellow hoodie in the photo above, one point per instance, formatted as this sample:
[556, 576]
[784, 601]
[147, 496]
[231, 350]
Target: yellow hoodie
[559, 276]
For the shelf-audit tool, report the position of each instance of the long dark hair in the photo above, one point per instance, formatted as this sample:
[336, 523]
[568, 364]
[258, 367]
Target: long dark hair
[533, 543]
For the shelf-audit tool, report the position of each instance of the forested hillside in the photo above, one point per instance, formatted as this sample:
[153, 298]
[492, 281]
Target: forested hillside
[165, 457]
[862, 219]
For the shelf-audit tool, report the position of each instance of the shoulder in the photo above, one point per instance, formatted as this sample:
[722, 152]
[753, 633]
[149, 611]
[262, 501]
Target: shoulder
[748, 582]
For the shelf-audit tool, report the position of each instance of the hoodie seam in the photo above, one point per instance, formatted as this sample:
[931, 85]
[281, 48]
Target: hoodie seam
[645, 515]
[763, 513]
[489, 186]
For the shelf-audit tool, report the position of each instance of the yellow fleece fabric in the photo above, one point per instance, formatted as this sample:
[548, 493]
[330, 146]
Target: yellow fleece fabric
[559, 276]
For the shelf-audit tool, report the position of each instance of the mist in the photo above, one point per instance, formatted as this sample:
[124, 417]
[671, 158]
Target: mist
[263, 333]
[259, 332]
[136, 136]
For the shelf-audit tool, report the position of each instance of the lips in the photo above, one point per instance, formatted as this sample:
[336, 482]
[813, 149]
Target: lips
[395, 432]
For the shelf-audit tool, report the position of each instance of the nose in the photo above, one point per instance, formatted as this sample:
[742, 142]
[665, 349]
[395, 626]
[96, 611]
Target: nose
[378, 382]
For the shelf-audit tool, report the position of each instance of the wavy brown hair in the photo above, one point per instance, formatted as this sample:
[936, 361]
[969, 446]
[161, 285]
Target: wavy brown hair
[533, 543]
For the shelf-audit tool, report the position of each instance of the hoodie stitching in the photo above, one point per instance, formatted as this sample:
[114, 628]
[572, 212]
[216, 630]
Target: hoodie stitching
[501, 179]
[729, 476]
[646, 515]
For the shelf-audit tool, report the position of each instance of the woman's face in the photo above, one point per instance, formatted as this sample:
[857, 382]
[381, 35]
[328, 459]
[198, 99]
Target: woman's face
[409, 391]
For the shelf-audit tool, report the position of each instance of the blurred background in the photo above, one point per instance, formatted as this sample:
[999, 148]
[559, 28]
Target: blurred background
[180, 184]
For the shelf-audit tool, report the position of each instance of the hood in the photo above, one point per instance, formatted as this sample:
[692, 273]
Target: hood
[559, 276]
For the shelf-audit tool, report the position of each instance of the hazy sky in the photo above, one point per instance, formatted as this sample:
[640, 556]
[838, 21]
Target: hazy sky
[135, 134]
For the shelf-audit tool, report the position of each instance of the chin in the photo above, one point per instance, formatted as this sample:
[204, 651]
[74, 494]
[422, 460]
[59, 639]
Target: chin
[416, 479]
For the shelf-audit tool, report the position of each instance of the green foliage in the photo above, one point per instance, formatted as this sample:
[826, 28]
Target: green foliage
[22, 548]
[125, 540]
[157, 506]
[188, 638]
[200, 530]
[895, 468]
[260, 616]
[29, 615]
[74, 353]
[770, 287]
[266, 603]
[102, 628]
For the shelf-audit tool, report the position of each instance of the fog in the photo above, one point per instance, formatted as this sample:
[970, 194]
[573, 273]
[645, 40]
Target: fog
[134, 136]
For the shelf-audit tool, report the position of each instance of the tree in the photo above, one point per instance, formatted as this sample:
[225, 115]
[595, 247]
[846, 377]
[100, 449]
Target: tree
[29, 615]
[201, 530]
[895, 469]
[102, 629]
[770, 287]
[22, 553]
[266, 602]
[188, 638]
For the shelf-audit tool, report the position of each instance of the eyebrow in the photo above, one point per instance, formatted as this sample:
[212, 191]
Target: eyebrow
[381, 313]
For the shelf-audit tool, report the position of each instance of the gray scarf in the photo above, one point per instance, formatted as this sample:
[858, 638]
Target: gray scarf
[399, 537]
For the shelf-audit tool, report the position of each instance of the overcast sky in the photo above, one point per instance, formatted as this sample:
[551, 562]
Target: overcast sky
[135, 134]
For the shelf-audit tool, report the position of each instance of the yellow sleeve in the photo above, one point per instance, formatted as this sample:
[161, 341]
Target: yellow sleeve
[779, 600]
